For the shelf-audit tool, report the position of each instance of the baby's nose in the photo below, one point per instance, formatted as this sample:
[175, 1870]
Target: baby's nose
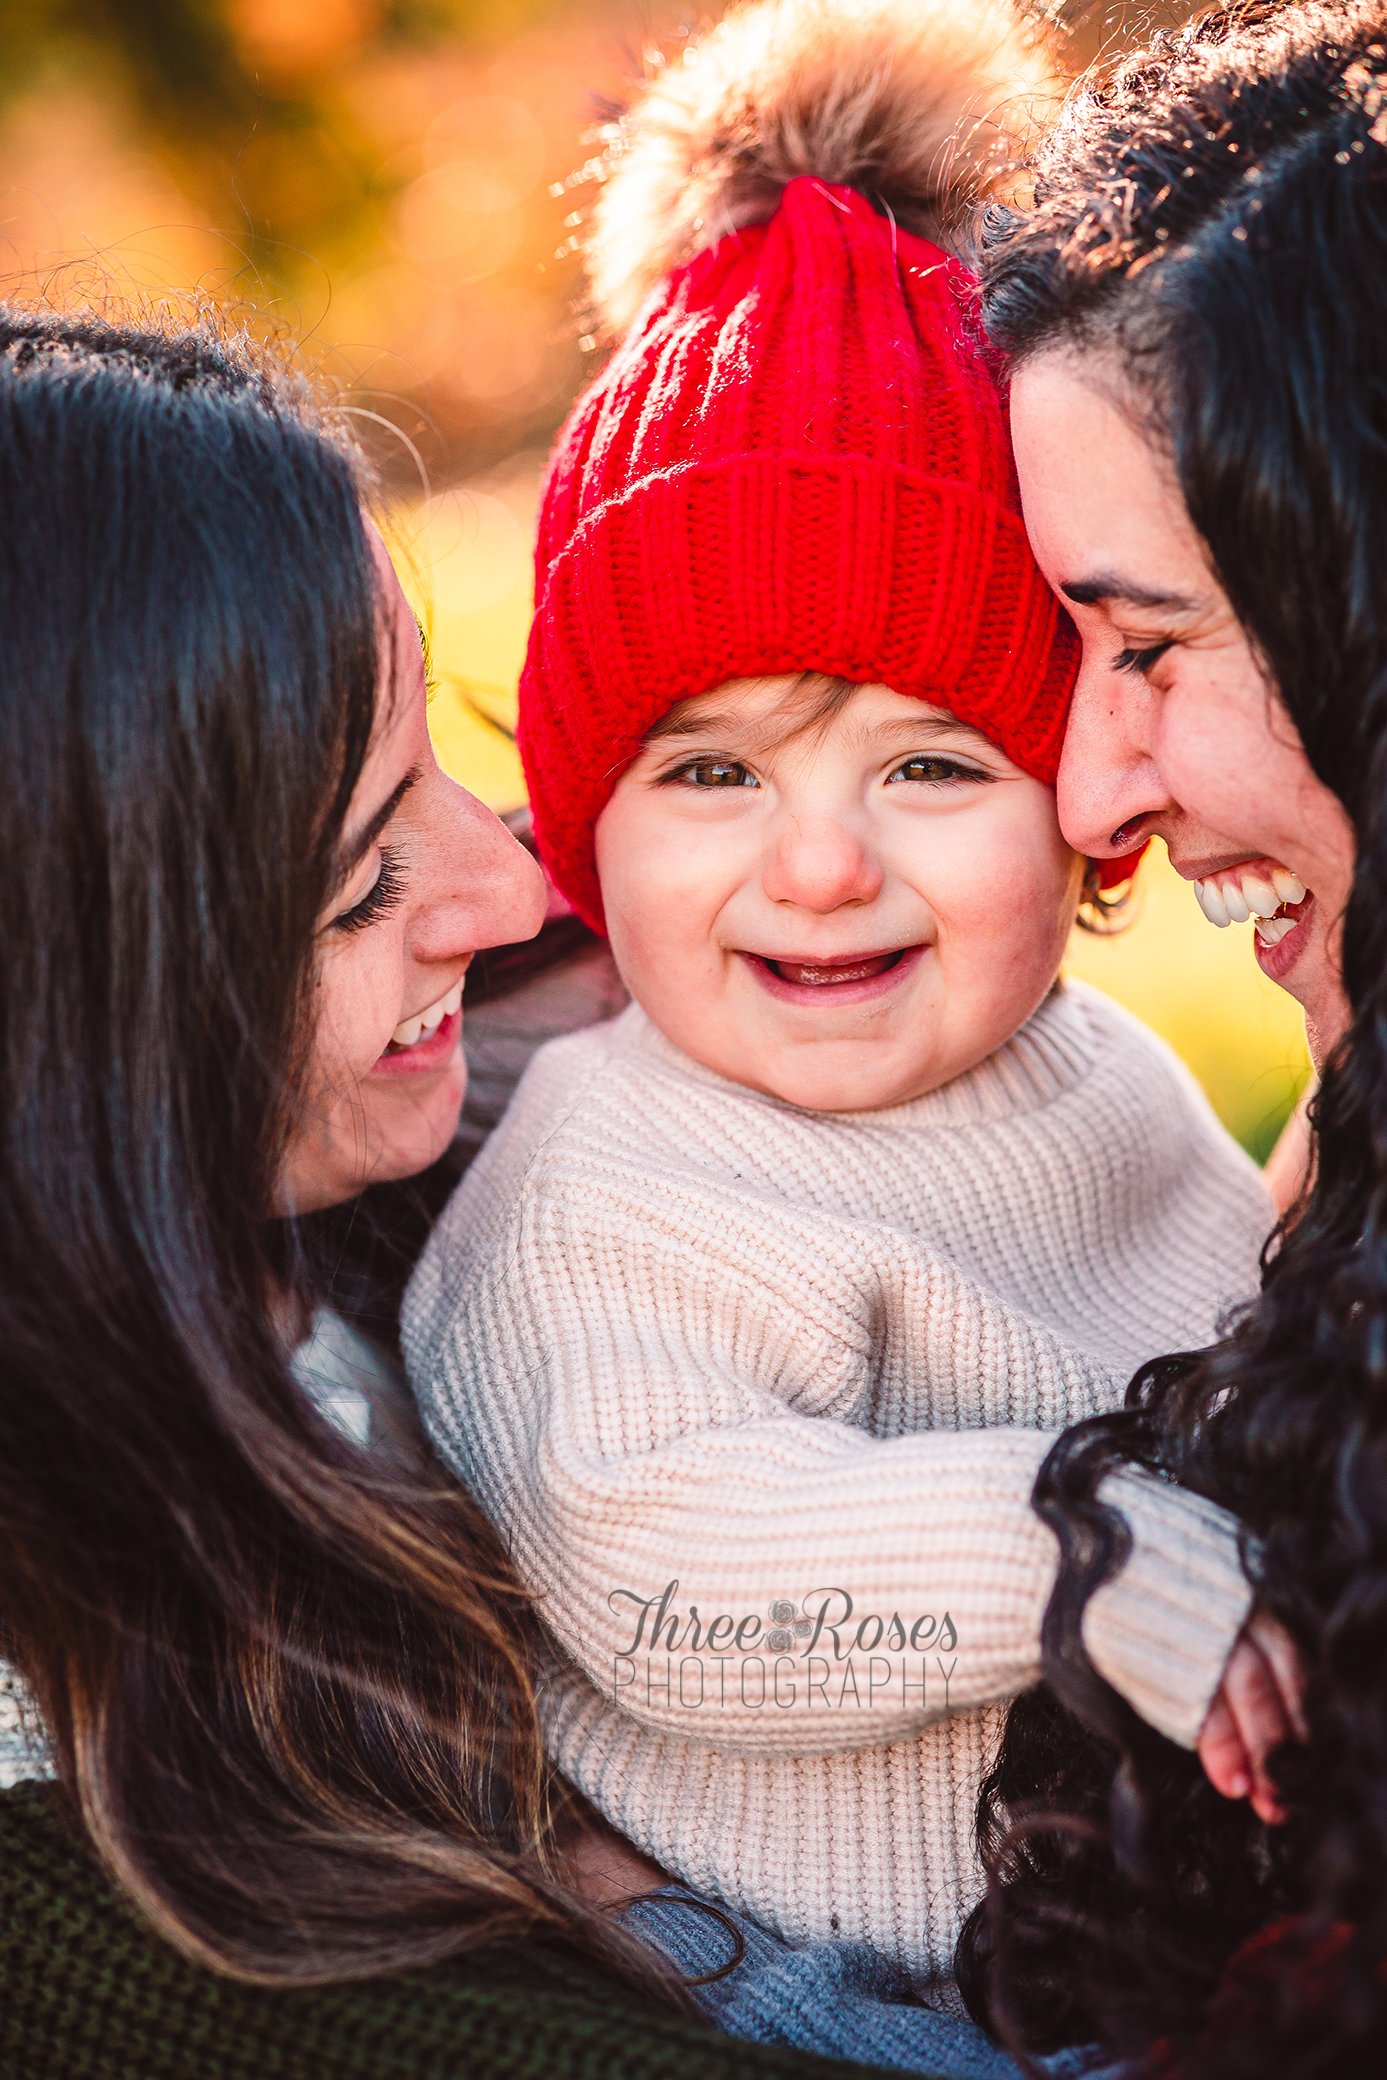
[820, 863]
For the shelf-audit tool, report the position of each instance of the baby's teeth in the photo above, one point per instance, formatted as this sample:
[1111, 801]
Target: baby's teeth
[432, 1019]
[1235, 902]
[1211, 902]
[407, 1032]
[1272, 930]
[1289, 887]
[453, 1001]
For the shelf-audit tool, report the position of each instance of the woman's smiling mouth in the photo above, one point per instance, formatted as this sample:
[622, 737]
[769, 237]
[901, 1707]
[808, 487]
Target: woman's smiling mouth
[426, 1040]
[848, 979]
[1259, 889]
[1276, 900]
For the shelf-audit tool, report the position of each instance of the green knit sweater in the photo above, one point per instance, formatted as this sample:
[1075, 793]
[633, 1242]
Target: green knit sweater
[88, 1993]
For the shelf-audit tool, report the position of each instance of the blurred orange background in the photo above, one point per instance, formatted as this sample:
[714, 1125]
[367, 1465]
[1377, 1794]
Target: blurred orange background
[389, 181]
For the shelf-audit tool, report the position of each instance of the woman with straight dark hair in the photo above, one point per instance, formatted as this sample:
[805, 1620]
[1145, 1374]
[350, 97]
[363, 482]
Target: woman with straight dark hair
[284, 1681]
[1196, 304]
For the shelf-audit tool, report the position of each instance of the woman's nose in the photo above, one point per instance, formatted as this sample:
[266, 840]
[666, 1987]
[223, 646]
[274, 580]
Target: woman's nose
[480, 887]
[1109, 788]
[818, 862]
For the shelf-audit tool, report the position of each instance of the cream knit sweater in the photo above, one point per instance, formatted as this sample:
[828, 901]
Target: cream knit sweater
[671, 1331]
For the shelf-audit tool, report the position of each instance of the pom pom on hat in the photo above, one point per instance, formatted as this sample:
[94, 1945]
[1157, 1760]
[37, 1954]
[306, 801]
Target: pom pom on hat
[922, 105]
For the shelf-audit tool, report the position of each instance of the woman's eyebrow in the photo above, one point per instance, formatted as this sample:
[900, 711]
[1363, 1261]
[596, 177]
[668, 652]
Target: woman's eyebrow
[357, 847]
[1098, 591]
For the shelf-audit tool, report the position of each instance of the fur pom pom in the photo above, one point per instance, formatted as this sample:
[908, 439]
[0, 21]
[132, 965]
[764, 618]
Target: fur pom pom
[920, 104]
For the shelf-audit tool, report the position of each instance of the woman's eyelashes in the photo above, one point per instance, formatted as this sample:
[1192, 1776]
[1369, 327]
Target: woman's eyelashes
[380, 898]
[1140, 661]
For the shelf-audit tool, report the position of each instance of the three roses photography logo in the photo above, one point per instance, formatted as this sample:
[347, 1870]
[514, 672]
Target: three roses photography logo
[812, 1652]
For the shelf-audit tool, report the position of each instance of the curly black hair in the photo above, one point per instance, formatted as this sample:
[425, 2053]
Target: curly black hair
[1209, 222]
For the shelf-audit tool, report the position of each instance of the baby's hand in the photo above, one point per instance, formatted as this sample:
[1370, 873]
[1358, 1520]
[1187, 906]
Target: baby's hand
[1257, 1706]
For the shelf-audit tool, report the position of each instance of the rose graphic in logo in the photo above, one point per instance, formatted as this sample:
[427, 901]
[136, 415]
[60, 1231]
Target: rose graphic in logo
[786, 1626]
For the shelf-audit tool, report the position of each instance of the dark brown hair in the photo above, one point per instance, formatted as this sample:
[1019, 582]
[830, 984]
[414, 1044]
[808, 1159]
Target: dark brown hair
[288, 1691]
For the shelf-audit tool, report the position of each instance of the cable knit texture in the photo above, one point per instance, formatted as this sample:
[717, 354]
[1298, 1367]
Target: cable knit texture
[671, 1330]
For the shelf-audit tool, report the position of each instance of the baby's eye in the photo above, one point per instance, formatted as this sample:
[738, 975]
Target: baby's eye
[716, 772]
[932, 770]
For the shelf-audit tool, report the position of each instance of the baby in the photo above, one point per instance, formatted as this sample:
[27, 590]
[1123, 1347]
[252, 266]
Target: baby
[755, 1319]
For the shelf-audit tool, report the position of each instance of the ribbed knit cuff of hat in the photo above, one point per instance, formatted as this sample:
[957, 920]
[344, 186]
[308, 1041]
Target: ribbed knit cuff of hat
[1162, 1630]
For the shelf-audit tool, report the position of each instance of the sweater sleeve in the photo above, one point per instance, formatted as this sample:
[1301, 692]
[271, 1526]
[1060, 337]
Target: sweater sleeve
[709, 1443]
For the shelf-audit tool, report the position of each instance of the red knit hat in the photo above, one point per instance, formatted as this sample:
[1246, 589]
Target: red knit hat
[797, 460]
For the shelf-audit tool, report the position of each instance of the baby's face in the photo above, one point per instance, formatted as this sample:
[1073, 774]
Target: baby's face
[845, 915]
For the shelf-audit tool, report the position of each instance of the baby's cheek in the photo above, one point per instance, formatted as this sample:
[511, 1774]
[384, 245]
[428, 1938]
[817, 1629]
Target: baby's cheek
[1016, 917]
[634, 929]
[660, 919]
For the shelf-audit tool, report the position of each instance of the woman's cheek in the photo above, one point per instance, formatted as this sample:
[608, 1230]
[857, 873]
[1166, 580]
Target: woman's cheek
[1200, 749]
[360, 1005]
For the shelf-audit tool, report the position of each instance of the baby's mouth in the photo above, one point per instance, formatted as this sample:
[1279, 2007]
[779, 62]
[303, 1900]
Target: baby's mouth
[859, 967]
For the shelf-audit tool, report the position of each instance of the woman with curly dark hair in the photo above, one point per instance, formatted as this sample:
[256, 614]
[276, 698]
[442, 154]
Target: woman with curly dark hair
[1195, 298]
